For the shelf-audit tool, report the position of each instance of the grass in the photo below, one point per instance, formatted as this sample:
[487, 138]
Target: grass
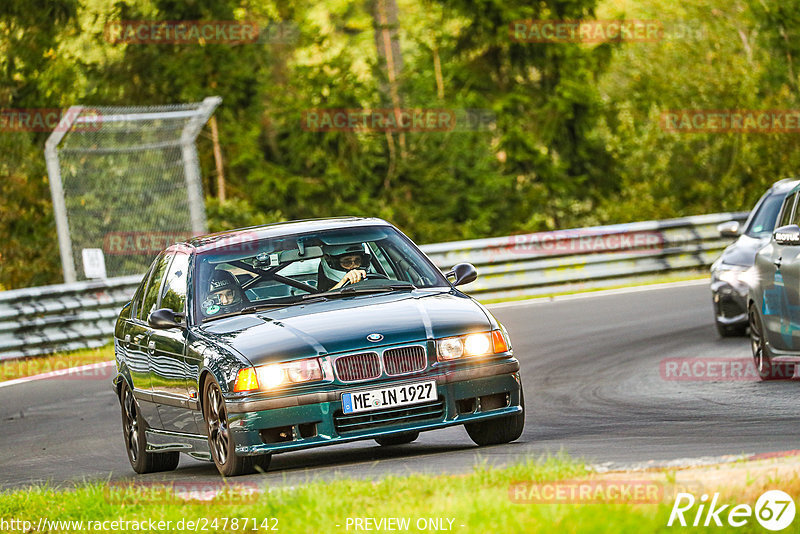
[477, 502]
[35, 365]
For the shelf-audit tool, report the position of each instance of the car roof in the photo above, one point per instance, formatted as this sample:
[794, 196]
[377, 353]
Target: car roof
[205, 243]
[785, 186]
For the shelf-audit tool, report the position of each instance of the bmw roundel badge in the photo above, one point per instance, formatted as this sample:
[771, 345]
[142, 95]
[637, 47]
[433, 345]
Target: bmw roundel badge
[374, 337]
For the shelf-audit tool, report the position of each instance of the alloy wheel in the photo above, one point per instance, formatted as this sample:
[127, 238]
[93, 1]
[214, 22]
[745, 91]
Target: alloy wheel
[131, 425]
[218, 432]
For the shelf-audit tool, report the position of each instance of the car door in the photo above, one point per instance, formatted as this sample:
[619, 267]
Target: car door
[169, 371]
[776, 308]
[139, 339]
[790, 268]
[133, 335]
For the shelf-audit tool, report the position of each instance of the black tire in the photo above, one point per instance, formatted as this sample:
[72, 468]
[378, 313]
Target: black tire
[761, 355]
[498, 431]
[133, 427]
[726, 330]
[220, 441]
[397, 439]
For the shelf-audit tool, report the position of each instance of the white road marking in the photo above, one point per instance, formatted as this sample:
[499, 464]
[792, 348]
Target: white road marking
[57, 373]
[592, 294]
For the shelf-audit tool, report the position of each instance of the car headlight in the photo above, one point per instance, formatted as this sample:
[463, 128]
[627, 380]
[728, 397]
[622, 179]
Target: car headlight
[738, 277]
[453, 348]
[278, 374]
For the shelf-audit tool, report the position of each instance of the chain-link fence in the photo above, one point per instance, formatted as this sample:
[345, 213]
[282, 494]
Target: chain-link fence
[125, 183]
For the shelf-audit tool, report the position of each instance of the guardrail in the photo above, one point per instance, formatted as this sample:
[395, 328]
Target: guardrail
[549, 262]
[40, 320]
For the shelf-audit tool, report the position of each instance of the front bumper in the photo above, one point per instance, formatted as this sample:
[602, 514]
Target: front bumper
[314, 420]
[730, 303]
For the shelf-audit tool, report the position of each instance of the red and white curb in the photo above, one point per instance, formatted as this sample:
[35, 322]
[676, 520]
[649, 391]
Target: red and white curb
[607, 467]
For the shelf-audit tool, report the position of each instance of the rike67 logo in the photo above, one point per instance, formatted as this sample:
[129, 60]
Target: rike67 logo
[774, 510]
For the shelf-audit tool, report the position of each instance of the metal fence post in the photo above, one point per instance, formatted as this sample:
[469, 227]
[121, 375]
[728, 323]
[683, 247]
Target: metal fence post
[57, 191]
[194, 186]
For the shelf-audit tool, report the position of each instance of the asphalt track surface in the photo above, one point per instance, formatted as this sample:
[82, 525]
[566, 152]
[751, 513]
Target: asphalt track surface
[593, 387]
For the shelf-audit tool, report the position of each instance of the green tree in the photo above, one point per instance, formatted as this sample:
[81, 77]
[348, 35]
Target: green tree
[29, 31]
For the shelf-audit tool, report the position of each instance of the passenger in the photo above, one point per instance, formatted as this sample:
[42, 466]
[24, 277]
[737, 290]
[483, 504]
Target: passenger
[224, 295]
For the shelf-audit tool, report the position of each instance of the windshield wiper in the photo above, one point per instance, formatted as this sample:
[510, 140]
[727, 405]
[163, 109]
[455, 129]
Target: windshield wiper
[381, 289]
[348, 291]
[313, 297]
[253, 309]
[259, 307]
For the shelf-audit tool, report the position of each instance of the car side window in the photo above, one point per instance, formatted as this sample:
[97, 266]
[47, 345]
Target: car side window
[139, 295]
[796, 216]
[151, 293]
[786, 214]
[174, 294]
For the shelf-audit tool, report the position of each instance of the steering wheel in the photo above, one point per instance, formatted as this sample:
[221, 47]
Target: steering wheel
[370, 276]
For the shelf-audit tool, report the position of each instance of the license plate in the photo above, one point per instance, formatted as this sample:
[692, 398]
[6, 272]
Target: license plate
[375, 399]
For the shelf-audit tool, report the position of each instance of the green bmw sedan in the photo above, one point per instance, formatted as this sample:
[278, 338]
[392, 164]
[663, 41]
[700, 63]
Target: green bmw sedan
[289, 336]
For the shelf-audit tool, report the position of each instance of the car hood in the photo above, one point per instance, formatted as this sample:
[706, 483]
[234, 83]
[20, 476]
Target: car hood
[342, 325]
[743, 251]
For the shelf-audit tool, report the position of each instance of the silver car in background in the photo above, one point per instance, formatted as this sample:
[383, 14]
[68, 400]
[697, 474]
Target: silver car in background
[732, 273]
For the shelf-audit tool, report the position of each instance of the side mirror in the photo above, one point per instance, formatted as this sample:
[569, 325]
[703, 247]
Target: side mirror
[464, 273]
[729, 229]
[165, 318]
[787, 235]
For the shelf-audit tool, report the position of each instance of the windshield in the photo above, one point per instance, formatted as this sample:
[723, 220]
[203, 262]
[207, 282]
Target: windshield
[763, 222]
[291, 269]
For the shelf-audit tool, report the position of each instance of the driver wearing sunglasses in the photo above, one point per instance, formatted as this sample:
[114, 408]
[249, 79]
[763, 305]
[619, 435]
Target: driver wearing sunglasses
[345, 263]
